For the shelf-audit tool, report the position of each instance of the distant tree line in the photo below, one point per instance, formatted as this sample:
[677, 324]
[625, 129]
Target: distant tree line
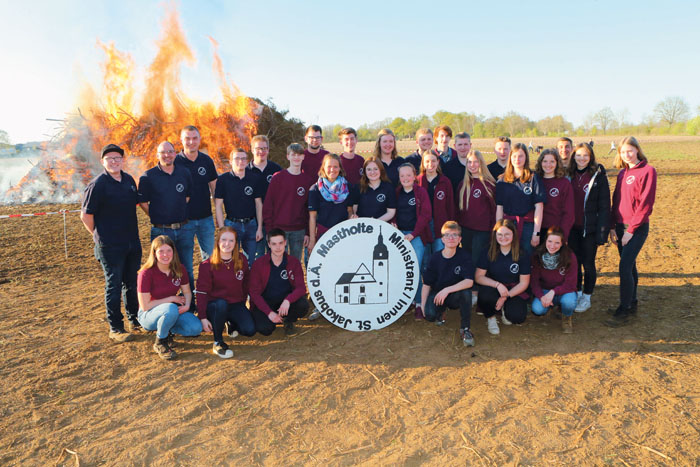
[670, 116]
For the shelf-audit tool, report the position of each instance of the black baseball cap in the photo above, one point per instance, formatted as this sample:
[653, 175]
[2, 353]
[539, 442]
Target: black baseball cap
[112, 148]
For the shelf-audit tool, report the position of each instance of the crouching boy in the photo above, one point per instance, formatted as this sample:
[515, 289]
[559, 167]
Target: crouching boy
[447, 282]
[277, 288]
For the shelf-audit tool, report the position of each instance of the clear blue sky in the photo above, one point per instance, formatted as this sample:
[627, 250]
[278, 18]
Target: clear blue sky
[359, 62]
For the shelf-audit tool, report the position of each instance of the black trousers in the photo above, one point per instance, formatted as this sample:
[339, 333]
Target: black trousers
[515, 308]
[585, 249]
[264, 326]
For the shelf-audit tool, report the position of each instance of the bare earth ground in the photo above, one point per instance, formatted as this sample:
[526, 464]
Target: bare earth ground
[409, 394]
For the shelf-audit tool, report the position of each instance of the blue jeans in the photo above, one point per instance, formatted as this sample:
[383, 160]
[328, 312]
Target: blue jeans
[204, 230]
[461, 299]
[120, 264]
[165, 319]
[525, 245]
[419, 248]
[295, 243]
[628, 263]
[567, 302]
[219, 312]
[184, 244]
[246, 237]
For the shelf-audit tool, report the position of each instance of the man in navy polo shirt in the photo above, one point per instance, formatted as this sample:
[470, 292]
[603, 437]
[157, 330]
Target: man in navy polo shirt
[264, 167]
[164, 192]
[200, 221]
[424, 141]
[109, 214]
[455, 169]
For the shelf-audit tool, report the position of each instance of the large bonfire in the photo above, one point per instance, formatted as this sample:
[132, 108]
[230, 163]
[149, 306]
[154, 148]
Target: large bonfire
[137, 121]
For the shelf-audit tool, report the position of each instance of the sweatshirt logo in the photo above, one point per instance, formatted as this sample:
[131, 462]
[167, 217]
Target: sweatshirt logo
[269, 178]
[412, 202]
[248, 190]
[527, 190]
[440, 195]
[562, 271]
[630, 180]
[458, 269]
[362, 171]
[514, 268]
[239, 275]
[284, 275]
[381, 198]
[477, 193]
[586, 187]
[202, 171]
[176, 281]
[554, 192]
[179, 187]
[301, 191]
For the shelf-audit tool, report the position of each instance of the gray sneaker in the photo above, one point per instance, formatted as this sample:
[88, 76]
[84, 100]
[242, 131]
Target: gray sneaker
[314, 315]
[467, 337]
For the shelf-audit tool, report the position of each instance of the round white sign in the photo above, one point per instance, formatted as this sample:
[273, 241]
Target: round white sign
[362, 274]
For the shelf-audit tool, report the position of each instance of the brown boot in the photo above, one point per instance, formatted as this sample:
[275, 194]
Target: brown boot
[567, 324]
[163, 349]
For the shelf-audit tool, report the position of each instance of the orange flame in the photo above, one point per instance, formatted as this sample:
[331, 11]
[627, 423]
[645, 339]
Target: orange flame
[116, 115]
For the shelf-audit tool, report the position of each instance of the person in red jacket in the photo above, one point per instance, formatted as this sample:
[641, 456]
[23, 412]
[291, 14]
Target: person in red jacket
[413, 215]
[441, 198]
[559, 208]
[222, 287]
[633, 202]
[553, 278]
[476, 209]
[277, 287]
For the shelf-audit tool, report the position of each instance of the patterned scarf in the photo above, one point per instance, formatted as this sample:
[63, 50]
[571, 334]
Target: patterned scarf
[336, 191]
[550, 261]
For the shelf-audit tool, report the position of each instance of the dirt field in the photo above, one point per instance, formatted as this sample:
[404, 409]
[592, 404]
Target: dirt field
[409, 394]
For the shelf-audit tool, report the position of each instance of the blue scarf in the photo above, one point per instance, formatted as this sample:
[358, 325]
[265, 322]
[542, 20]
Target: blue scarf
[336, 191]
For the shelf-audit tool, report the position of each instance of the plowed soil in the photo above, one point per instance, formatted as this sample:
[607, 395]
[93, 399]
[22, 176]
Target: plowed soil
[409, 394]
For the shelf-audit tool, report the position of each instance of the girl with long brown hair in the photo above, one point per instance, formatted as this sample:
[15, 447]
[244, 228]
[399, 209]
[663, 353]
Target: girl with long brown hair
[385, 151]
[553, 278]
[223, 290]
[162, 309]
[376, 197]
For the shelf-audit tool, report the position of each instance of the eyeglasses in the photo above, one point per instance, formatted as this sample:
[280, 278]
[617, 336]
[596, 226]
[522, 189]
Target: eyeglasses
[113, 159]
[315, 137]
[451, 236]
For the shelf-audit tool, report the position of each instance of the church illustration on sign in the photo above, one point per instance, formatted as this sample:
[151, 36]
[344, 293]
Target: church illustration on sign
[364, 286]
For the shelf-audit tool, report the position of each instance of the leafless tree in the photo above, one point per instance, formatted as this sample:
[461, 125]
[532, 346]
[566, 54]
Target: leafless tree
[672, 110]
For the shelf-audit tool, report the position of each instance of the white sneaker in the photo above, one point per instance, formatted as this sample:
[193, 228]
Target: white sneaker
[504, 319]
[314, 315]
[474, 300]
[492, 324]
[583, 304]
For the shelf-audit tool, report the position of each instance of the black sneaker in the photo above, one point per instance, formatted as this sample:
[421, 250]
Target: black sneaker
[289, 328]
[440, 320]
[620, 318]
[222, 350]
[163, 349]
[632, 309]
[120, 335]
[467, 337]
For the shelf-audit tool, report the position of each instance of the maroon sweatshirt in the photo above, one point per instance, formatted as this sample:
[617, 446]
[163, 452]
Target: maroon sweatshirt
[481, 215]
[553, 279]
[285, 205]
[559, 208]
[424, 213]
[443, 202]
[223, 282]
[312, 162]
[633, 199]
[353, 168]
[260, 274]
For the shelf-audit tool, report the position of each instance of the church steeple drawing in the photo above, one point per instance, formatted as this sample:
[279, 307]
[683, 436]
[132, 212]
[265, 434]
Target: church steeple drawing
[365, 287]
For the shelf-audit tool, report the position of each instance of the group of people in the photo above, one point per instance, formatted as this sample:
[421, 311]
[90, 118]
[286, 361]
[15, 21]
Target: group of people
[504, 236]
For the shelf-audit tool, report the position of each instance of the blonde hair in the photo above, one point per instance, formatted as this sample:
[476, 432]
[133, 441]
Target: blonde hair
[175, 266]
[377, 146]
[484, 175]
[632, 141]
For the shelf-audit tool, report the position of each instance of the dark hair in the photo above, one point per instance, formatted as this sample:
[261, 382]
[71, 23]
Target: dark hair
[295, 148]
[377, 146]
[347, 131]
[189, 128]
[276, 232]
[509, 174]
[463, 135]
[313, 128]
[592, 164]
[503, 139]
[495, 248]
[559, 171]
[564, 138]
[565, 251]
[364, 181]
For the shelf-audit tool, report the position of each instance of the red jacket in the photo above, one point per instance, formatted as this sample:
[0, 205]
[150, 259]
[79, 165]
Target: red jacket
[553, 279]
[633, 199]
[224, 283]
[424, 213]
[443, 202]
[260, 274]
